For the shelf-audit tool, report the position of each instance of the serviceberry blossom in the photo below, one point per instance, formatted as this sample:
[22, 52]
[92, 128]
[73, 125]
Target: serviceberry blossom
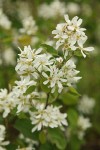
[50, 69]
[3, 143]
[60, 59]
[9, 56]
[24, 102]
[86, 104]
[4, 21]
[32, 64]
[58, 78]
[25, 66]
[29, 26]
[53, 10]
[73, 8]
[55, 79]
[71, 36]
[70, 72]
[83, 124]
[24, 83]
[43, 62]
[30, 143]
[47, 117]
[6, 102]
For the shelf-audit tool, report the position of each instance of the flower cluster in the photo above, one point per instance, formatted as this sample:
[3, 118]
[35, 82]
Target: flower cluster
[71, 36]
[6, 102]
[57, 78]
[73, 8]
[29, 26]
[2, 138]
[30, 143]
[34, 63]
[55, 9]
[83, 124]
[44, 69]
[25, 66]
[86, 104]
[47, 117]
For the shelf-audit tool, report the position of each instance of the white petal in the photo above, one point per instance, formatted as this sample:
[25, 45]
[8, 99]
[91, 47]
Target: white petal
[89, 49]
[34, 129]
[66, 17]
[79, 22]
[38, 51]
[55, 32]
[44, 74]
[45, 82]
[59, 84]
[70, 28]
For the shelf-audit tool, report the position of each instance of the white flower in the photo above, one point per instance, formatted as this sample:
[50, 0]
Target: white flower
[53, 10]
[47, 117]
[86, 104]
[29, 53]
[9, 56]
[58, 8]
[29, 26]
[24, 83]
[73, 8]
[71, 36]
[31, 143]
[22, 101]
[42, 62]
[70, 73]
[83, 50]
[2, 138]
[4, 21]
[2, 132]
[6, 102]
[58, 78]
[25, 65]
[83, 124]
[55, 79]
[59, 59]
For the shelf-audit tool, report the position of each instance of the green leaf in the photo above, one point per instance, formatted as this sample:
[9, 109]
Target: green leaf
[50, 49]
[56, 136]
[75, 143]
[13, 112]
[72, 117]
[11, 146]
[30, 90]
[42, 137]
[53, 96]
[25, 127]
[78, 53]
[47, 146]
[69, 98]
[73, 91]
[22, 115]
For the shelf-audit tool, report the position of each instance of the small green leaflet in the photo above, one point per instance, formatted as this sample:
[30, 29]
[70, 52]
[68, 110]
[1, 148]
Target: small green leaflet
[50, 49]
